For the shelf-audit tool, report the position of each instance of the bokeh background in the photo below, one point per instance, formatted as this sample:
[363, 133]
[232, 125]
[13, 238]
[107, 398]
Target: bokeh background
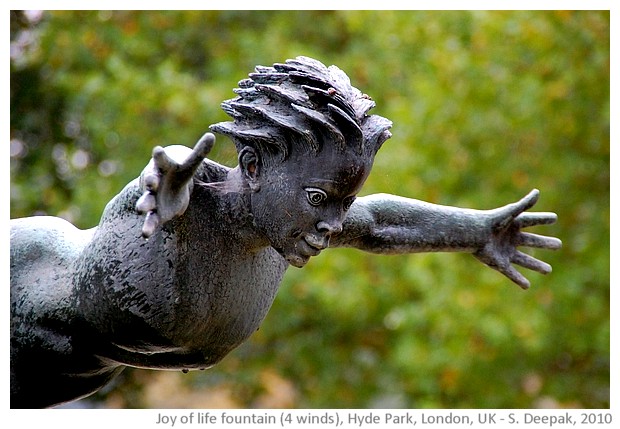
[486, 106]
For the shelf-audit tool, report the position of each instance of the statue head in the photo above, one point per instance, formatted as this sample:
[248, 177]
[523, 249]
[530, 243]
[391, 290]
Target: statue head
[306, 145]
[302, 105]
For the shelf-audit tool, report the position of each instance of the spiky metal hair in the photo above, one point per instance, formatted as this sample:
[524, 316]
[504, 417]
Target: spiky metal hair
[302, 104]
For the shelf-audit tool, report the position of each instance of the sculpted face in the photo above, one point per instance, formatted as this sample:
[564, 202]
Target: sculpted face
[303, 201]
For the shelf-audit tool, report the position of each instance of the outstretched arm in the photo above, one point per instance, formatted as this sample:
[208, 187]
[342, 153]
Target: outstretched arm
[389, 224]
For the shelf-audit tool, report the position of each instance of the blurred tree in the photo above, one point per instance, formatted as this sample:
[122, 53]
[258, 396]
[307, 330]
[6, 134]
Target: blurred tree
[486, 106]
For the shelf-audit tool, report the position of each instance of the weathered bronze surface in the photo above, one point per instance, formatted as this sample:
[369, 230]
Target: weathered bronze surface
[187, 259]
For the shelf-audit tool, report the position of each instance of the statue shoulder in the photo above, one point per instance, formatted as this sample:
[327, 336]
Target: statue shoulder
[48, 231]
[43, 250]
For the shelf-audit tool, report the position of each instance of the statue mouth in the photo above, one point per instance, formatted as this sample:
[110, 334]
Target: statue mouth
[304, 248]
[318, 243]
[311, 245]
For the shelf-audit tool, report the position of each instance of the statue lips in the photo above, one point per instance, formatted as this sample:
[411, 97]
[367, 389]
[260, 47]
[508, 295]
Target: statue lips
[306, 247]
[311, 245]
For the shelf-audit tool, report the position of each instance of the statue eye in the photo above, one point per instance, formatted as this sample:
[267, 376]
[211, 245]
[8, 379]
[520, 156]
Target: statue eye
[346, 204]
[315, 196]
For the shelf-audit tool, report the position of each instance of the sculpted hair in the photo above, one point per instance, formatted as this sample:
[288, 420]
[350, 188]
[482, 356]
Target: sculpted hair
[302, 103]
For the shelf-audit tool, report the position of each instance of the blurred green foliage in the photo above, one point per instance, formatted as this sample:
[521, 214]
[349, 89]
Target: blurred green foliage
[486, 106]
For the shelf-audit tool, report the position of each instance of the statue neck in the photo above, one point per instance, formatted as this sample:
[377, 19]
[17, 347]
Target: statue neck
[238, 203]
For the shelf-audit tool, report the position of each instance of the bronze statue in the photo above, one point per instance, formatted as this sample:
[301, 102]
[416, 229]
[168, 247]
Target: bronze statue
[187, 258]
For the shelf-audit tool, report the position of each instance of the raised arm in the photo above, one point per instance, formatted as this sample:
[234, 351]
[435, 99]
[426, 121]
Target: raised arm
[390, 224]
[167, 183]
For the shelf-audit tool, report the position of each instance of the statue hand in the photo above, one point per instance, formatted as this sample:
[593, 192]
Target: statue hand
[500, 251]
[167, 183]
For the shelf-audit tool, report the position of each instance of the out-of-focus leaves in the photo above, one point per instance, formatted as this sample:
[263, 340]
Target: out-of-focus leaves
[485, 105]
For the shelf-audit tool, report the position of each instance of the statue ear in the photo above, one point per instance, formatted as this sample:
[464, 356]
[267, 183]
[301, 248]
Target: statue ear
[249, 161]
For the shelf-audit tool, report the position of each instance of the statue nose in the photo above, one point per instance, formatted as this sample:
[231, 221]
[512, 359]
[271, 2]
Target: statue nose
[329, 228]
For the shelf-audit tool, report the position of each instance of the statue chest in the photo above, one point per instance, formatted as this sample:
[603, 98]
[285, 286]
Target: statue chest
[175, 296]
[224, 304]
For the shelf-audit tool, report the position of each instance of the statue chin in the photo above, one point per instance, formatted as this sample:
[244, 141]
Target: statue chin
[297, 260]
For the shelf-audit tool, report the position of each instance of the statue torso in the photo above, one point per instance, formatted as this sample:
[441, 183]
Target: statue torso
[84, 303]
[186, 297]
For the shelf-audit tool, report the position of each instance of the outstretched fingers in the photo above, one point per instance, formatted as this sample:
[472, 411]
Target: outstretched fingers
[528, 239]
[151, 222]
[525, 203]
[525, 220]
[504, 266]
[514, 275]
[162, 161]
[146, 203]
[531, 263]
[166, 182]
[187, 168]
[508, 213]
[500, 252]
[526, 261]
